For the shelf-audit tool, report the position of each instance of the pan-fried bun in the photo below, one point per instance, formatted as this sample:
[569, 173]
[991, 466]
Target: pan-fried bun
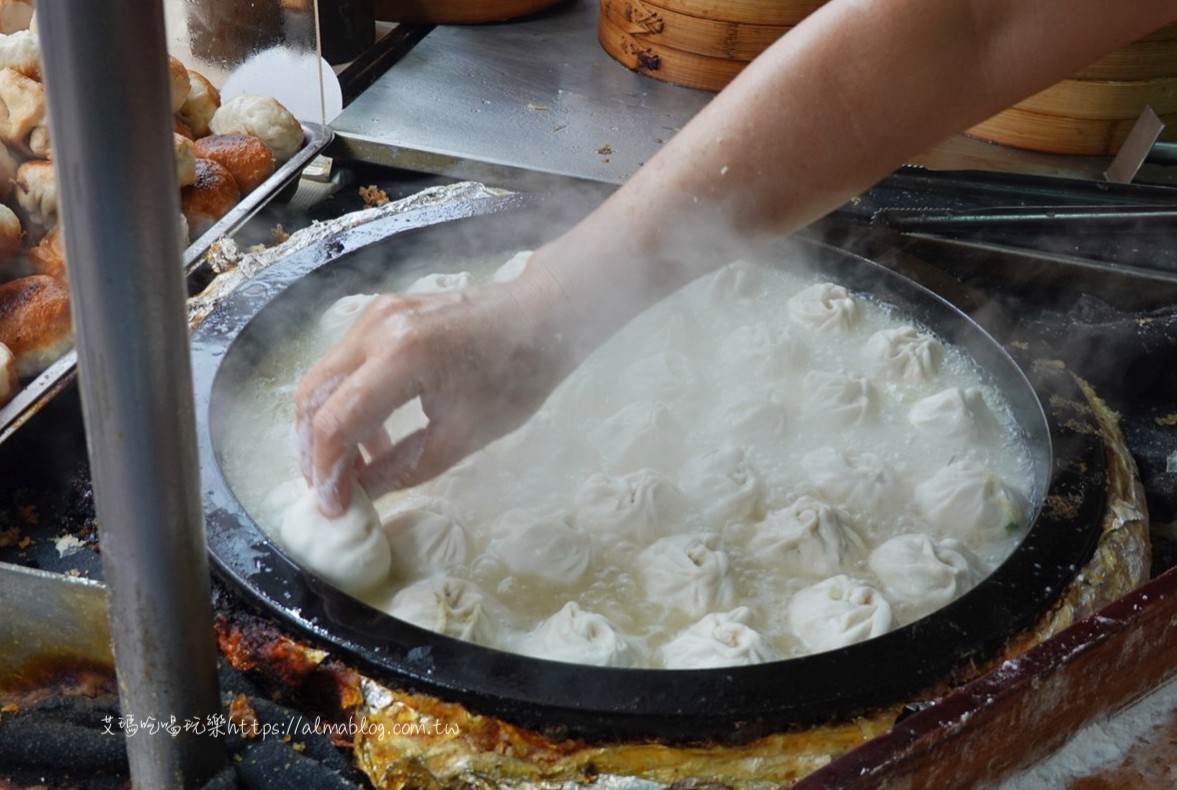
[211, 196]
[245, 156]
[35, 322]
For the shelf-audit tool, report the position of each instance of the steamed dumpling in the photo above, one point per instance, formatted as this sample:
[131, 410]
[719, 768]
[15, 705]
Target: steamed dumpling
[687, 573]
[807, 538]
[837, 612]
[439, 283]
[512, 268]
[549, 546]
[342, 315]
[959, 415]
[824, 307]
[578, 636]
[669, 377]
[738, 280]
[841, 398]
[904, 353]
[720, 639]
[964, 498]
[349, 551]
[723, 485]
[635, 508]
[920, 575]
[757, 419]
[772, 353]
[446, 605]
[425, 536]
[641, 435]
[861, 481]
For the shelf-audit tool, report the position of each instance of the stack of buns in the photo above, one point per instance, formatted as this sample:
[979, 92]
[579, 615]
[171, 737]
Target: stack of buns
[223, 152]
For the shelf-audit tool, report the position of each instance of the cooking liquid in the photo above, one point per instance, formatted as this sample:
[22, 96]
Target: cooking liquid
[693, 353]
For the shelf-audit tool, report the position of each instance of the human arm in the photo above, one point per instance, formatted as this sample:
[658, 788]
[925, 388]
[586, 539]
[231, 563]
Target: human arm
[835, 105]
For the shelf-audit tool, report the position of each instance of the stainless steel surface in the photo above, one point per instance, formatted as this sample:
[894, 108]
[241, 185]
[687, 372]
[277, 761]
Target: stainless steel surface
[523, 103]
[1133, 153]
[119, 202]
[48, 614]
[500, 103]
[61, 373]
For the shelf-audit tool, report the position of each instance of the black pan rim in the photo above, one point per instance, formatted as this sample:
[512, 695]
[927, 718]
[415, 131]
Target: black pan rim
[729, 704]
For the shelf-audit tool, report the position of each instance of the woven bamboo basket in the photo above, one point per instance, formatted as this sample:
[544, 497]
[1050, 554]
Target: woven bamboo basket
[1091, 113]
[457, 12]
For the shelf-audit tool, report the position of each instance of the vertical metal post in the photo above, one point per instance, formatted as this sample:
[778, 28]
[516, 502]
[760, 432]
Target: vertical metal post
[111, 122]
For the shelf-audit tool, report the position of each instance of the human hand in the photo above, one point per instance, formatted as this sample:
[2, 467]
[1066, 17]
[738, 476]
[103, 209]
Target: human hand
[482, 360]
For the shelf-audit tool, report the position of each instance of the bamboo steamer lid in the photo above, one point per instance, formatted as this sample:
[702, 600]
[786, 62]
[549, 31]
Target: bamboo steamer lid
[1103, 99]
[666, 63]
[1146, 59]
[1056, 134]
[457, 12]
[649, 23]
[748, 12]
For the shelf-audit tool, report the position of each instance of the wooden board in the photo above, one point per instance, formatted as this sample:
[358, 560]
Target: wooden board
[711, 37]
[1056, 134]
[665, 63]
[750, 12]
[457, 12]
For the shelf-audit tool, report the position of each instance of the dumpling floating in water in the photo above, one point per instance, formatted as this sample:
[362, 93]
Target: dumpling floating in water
[773, 353]
[642, 435]
[512, 268]
[577, 636]
[958, 415]
[348, 550]
[837, 612]
[824, 307]
[861, 481]
[739, 280]
[687, 573]
[919, 574]
[723, 485]
[904, 353]
[446, 605]
[842, 399]
[808, 539]
[425, 535]
[963, 498]
[440, 283]
[720, 639]
[547, 546]
[635, 508]
[342, 315]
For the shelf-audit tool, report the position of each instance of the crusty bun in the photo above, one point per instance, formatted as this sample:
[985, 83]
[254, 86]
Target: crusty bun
[11, 234]
[201, 104]
[261, 116]
[211, 196]
[21, 51]
[245, 156]
[48, 257]
[8, 379]
[8, 165]
[35, 322]
[22, 107]
[36, 191]
[185, 159]
[15, 15]
[178, 75]
[182, 129]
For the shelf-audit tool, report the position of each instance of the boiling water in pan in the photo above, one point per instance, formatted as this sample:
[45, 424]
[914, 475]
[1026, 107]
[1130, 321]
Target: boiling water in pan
[712, 487]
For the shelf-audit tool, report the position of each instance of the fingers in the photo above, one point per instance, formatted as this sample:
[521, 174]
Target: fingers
[418, 457]
[353, 413]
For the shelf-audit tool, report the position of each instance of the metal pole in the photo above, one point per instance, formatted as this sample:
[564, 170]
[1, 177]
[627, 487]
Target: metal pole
[111, 122]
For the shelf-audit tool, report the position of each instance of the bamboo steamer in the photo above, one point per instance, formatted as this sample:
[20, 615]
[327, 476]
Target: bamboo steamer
[666, 63]
[745, 12]
[457, 12]
[1054, 134]
[649, 23]
[1091, 113]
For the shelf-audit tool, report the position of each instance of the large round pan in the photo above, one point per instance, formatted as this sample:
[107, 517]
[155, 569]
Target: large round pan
[725, 704]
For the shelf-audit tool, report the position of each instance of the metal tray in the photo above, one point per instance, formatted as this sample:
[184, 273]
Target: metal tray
[61, 373]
